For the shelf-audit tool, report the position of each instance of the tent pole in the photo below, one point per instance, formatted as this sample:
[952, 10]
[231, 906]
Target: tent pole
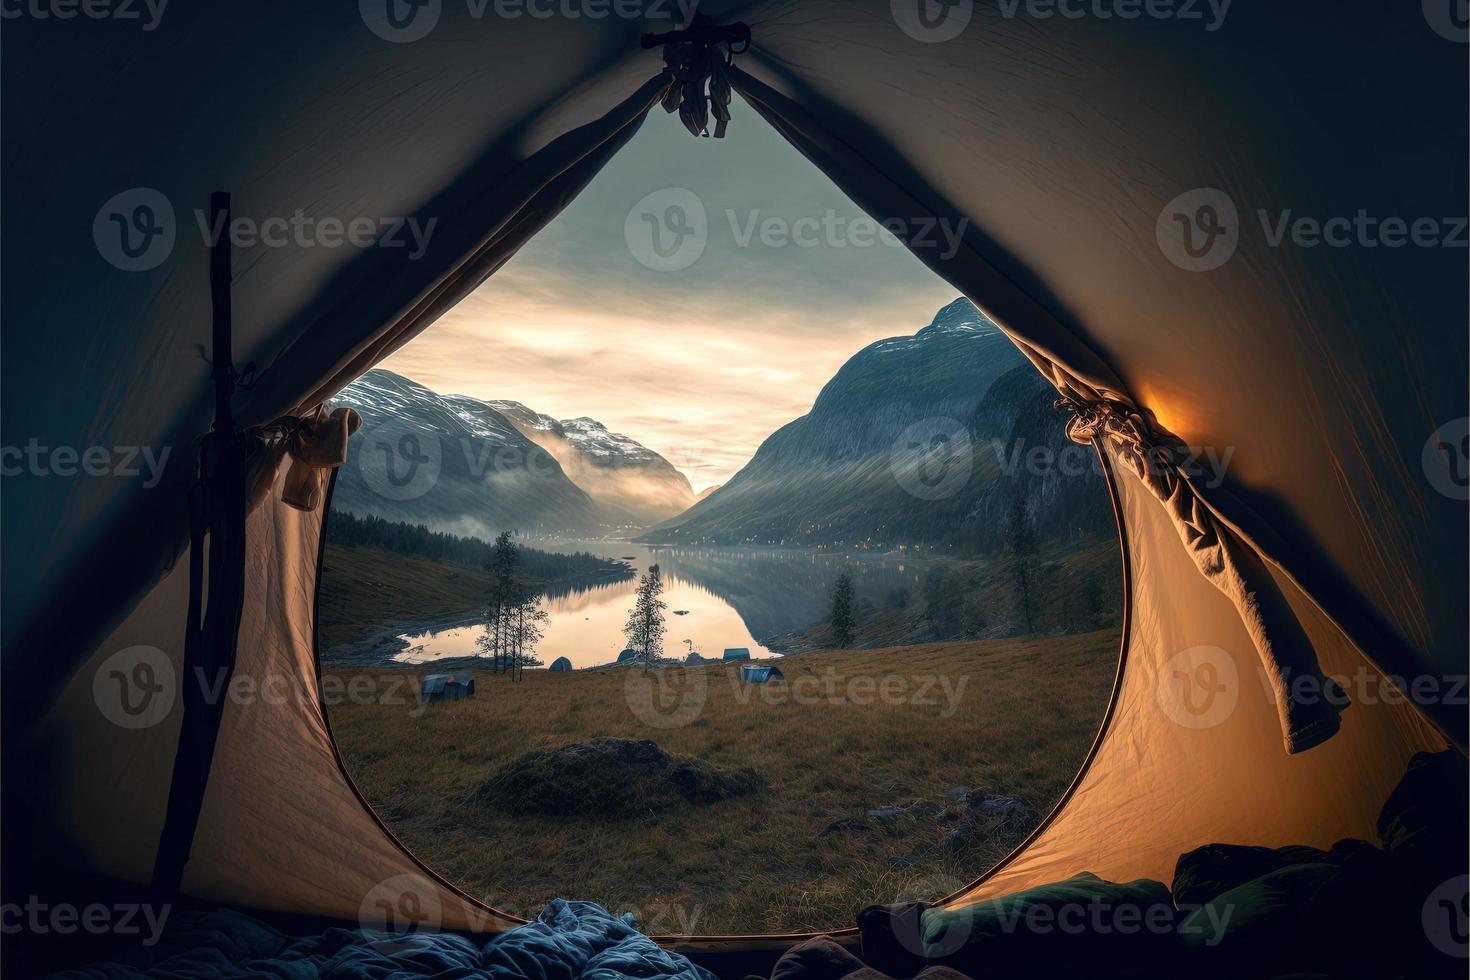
[218, 504]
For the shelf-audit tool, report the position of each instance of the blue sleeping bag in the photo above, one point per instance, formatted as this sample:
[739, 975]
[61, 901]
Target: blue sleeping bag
[567, 941]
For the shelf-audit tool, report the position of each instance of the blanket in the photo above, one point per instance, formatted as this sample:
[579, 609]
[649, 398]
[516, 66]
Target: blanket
[567, 941]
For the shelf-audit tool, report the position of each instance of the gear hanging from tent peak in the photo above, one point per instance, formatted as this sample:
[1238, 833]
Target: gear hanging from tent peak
[701, 86]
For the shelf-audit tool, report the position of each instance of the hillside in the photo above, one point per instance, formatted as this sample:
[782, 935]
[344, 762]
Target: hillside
[918, 441]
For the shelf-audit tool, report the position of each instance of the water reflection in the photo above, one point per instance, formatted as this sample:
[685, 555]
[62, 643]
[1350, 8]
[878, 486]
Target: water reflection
[717, 598]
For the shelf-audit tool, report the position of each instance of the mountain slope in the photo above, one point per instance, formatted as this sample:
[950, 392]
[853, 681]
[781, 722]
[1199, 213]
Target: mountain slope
[913, 442]
[451, 462]
[630, 483]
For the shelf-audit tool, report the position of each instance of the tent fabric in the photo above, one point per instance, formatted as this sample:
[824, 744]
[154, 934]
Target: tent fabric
[1053, 144]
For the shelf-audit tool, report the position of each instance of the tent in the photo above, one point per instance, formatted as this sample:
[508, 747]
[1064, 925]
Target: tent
[446, 687]
[1118, 183]
[761, 673]
[561, 665]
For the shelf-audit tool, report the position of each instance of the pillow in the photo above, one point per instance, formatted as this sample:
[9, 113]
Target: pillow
[1300, 918]
[1212, 870]
[1082, 926]
[1423, 825]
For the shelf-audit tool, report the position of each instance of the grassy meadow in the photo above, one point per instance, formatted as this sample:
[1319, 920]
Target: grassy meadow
[848, 732]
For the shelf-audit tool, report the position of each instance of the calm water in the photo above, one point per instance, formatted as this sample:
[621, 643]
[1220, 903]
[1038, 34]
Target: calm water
[716, 597]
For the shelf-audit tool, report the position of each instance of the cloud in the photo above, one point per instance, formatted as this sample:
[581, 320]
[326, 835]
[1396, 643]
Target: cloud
[699, 364]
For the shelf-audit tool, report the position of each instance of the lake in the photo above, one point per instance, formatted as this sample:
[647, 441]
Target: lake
[716, 598]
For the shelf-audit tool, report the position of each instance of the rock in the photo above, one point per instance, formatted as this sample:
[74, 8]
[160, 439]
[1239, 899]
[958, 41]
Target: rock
[957, 793]
[887, 814]
[990, 818]
[609, 778]
[847, 825]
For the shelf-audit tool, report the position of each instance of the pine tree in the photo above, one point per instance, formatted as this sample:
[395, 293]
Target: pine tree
[842, 621]
[645, 629]
[1021, 543]
[501, 602]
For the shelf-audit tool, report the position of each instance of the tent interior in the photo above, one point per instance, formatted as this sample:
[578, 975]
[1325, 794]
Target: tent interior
[1317, 592]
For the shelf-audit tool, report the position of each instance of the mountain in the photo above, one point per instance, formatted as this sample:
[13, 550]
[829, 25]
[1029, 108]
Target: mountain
[706, 492]
[475, 467]
[919, 441]
[630, 483]
[451, 462]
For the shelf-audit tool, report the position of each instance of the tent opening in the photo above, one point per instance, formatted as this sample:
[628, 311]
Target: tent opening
[713, 561]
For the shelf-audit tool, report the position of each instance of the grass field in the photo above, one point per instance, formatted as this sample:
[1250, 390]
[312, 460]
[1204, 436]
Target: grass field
[848, 732]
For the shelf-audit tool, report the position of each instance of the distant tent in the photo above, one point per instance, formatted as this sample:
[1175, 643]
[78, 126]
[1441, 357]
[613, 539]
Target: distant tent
[737, 653]
[627, 656]
[447, 687]
[561, 664]
[761, 673]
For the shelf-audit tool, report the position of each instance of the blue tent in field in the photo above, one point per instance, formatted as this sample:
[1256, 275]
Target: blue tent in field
[561, 665]
[737, 653]
[761, 674]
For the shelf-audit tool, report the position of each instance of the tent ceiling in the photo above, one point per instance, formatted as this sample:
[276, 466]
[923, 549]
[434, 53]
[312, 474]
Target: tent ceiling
[1322, 370]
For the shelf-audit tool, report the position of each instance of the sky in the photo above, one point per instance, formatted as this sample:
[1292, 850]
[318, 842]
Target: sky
[763, 280]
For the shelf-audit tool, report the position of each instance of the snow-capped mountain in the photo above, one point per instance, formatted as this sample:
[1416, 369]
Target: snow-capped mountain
[459, 463]
[631, 483]
[450, 462]
[917, 440]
